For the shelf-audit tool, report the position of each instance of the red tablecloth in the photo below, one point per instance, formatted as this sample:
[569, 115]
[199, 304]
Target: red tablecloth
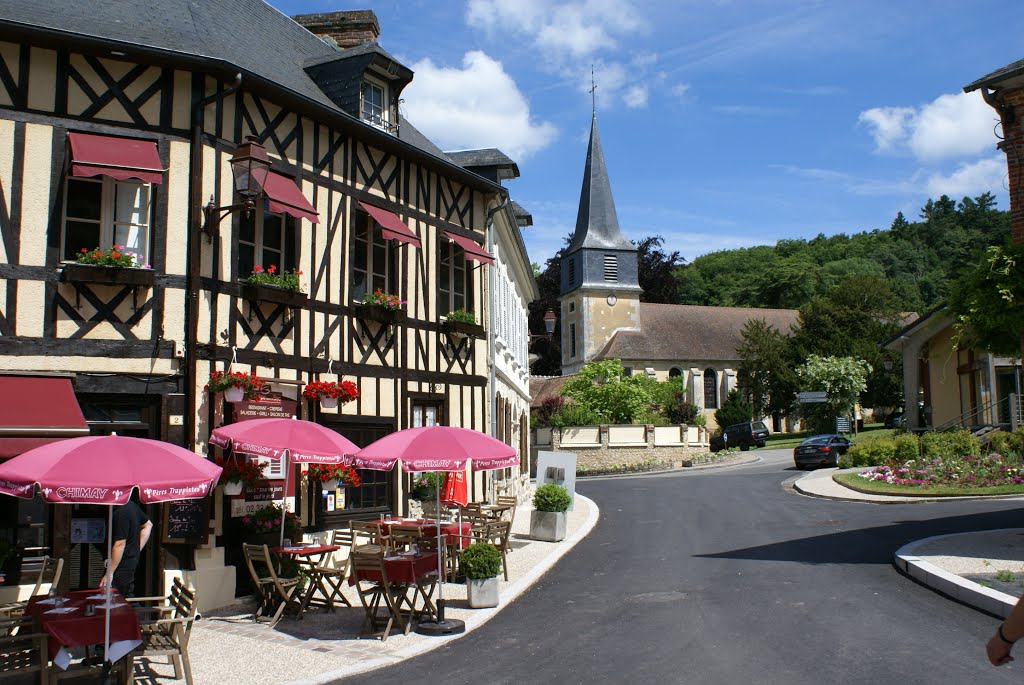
[305, 551]
[75, 629]
[450, 531]
[401, 569]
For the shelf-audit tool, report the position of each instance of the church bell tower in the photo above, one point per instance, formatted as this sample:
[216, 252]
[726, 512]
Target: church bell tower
[600, 288]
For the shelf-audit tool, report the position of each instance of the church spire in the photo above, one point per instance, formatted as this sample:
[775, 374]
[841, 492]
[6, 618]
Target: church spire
[597, 224]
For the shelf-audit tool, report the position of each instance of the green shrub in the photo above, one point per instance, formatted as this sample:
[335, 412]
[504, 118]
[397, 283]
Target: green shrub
[551, 497]
[575, 415]
[734, 409]
[889, 451]
[945, 445]
[480, 560]
[1008, 444]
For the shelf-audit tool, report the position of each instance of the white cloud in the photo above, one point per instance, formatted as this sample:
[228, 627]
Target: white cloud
[636, 97]
[680, 89]
[951, 126]
[476, 106]
[579, 28]
[970, 179]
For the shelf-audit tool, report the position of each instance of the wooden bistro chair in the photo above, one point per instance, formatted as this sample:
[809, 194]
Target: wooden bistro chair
[508, 501]
[366, 536]
[402, 536]
[46, 570]
[370, 576]
[23, 650]
[497, 534]
[325, 581]
[275, 594]
[166, 624]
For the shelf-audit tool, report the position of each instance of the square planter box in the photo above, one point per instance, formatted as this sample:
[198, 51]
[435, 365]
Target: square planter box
[272, 293]
[113, 275]
[373, 312]
[548, 526]
[482, 593]
[461, 329]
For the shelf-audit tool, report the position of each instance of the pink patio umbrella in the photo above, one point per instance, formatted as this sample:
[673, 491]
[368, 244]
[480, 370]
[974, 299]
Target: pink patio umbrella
[298, 441]
[105, 470]
[437, 448]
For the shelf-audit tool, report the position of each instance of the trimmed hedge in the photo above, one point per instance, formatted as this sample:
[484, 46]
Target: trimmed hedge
[1008, 444]
[946, 445]
[551, 497]
[480, 560]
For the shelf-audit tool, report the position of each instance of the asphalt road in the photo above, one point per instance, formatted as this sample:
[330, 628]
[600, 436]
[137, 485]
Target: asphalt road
[727, 576]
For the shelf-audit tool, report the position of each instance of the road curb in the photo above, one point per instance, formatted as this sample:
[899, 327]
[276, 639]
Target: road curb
[956, 587]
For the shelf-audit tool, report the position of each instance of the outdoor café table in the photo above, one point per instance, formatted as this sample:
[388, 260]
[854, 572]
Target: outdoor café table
[494, 511]
[65, 622]
[311, 559]
[415, 572]
[454, 532]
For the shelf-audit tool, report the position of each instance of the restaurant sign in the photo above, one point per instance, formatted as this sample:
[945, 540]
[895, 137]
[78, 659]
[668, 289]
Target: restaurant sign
[269, 405]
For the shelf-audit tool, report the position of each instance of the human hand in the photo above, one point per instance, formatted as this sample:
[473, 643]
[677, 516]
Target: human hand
[104, 581]
[998, 651]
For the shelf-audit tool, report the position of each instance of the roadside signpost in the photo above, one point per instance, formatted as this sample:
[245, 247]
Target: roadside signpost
[842, 424]
[812, 396]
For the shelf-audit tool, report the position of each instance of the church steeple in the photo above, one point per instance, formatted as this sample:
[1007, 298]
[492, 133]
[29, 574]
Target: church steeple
[600, 288]
[597, 224]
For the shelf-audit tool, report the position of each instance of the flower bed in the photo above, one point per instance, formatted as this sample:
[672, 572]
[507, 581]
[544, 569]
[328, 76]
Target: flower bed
[955, 472]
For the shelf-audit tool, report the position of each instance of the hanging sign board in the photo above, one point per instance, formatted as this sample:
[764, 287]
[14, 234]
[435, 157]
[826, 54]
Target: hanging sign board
[270, 405]
[842, 424]
[810, 397]
[186, 521]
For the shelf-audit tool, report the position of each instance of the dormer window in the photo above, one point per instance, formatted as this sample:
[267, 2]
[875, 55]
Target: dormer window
[373, 108]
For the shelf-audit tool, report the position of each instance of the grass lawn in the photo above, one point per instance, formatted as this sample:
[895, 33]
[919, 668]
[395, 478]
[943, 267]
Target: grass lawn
[778, 441]
[874, 487]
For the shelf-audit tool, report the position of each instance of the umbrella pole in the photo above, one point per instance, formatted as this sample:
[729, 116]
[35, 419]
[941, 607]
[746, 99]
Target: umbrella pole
[284, 498]
[440, 560]
[110, 583]
[440, 626]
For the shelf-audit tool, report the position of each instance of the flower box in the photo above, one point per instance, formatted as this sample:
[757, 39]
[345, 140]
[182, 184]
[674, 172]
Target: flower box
[461, 329]
[375, 312]
[272, 293]
[113, 275]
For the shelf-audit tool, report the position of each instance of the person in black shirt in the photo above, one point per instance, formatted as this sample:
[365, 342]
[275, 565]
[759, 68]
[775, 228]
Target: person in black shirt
[131, 529]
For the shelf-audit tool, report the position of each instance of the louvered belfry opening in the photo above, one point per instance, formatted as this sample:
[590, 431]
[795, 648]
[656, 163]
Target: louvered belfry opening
[611, 267]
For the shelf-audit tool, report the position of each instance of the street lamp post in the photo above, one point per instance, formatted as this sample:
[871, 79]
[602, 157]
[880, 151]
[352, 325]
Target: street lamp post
[549, 327]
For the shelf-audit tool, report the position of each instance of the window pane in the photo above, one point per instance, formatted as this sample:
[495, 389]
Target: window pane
[131, 203]
[246, 260]
[247, 227]
[271, 258]
[85, 198]
[79, 234]
[272, 233]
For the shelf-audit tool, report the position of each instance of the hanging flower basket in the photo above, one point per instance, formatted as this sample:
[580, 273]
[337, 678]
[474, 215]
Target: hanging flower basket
[249, 384]
[340, 474]
[331, 393]
[232, 488]
[239, 472]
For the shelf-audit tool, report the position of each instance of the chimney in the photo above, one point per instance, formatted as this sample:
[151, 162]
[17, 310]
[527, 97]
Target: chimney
[347, 28]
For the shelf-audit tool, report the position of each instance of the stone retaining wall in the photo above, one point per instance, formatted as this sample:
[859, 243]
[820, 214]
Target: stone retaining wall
[606, 448]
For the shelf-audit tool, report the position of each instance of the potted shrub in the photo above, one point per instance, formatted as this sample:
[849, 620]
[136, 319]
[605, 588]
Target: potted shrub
[263, 526]
[425, 485]
[239, 473]
[330, 393]
[547, 521]
[481, 564]
[333, 475]
[235, 385]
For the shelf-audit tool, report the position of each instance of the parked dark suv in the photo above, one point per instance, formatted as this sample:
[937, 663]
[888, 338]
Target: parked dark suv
[743, 435]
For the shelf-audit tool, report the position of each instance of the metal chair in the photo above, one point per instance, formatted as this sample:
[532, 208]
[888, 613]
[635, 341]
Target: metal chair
[167, 627]
[275, 594]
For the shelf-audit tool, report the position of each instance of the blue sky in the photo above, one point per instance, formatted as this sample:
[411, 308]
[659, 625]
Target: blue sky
[725, 123]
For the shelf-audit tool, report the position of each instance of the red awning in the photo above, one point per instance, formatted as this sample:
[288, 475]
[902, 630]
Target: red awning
[35, 410]
[284, 196]
[120, 158]
[473, 250]
[393, 227]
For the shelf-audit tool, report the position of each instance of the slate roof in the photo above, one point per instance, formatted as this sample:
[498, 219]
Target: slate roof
[523, 215]
[483, 158]
[597, 224]
[412, 135]
[999, 76]
[247, 35]
[691, 333]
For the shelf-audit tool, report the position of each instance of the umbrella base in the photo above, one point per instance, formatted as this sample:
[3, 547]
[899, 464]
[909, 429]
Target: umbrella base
[447, 626]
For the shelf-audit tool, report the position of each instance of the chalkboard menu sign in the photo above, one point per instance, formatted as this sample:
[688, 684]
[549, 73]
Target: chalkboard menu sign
[186, 521]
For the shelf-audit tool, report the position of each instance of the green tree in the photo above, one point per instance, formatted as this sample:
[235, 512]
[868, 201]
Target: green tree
[601, 387]
[766, 373]
[988, 302]
[657, 271]
[842, 379]
[734, 409]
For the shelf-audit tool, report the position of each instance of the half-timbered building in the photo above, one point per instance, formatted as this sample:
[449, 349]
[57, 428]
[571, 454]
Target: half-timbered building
[119, 126]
